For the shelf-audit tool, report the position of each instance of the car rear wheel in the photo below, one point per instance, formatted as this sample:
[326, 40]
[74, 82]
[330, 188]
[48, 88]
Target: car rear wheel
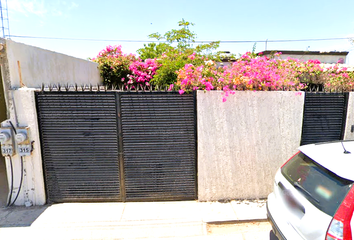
[272, 236]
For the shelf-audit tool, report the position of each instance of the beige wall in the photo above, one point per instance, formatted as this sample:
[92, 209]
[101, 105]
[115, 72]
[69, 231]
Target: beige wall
[243, 141]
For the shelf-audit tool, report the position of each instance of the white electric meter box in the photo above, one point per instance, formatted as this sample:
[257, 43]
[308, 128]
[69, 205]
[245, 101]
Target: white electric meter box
[24, 146]
[7, 142]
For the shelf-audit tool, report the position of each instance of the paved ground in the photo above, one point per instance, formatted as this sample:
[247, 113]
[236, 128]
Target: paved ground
[154, 220]
[259, 230]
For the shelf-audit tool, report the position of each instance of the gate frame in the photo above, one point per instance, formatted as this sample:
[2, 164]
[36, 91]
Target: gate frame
[320, 91]
[149, 91]
[120, 157]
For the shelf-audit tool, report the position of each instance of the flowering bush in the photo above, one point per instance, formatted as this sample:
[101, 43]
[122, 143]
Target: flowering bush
[246, 73]
[188, 70]
[205, 76]
[119, 69]
[172, 61]
[177, 64]
[114, 65]
[261, 73]
[142, 72]
[338, 78]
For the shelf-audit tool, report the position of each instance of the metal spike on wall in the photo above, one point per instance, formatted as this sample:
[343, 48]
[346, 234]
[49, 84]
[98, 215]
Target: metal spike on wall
[74, 87]
[4, 14]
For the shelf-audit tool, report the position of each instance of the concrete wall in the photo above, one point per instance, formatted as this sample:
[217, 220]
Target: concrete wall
[24, 114]
[24, 68]
[243, 141]
[37, 66]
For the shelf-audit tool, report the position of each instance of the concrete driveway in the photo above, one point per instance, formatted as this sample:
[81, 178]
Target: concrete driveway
[185, 219]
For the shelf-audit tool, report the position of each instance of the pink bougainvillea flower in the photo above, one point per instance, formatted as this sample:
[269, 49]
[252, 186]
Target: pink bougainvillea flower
[192, 57]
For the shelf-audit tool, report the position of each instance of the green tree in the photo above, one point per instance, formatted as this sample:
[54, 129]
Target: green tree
[153, 50]
[172, 57]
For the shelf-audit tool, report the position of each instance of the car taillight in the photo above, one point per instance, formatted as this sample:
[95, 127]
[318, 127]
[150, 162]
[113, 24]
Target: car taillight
[340, 229]
[289, 159]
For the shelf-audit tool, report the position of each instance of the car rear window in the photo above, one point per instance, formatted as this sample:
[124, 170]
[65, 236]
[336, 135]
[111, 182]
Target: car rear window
[320, 186]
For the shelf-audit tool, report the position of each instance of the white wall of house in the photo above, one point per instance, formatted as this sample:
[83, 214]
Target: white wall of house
[243, 141]
[37, 66]
[332, 59]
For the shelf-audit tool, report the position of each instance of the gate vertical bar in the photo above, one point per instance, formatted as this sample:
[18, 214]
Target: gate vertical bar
[196, 140]
[345, 111]
[120, 148]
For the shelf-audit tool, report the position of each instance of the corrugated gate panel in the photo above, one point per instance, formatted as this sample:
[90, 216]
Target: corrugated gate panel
[159, 144]
[79, 146]
[324, 117]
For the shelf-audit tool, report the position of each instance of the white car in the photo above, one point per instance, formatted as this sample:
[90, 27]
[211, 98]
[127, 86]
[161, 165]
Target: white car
[313, 197]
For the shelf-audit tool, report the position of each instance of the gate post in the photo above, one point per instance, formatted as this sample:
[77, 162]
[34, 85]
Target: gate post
[24, 113]
[349, 126]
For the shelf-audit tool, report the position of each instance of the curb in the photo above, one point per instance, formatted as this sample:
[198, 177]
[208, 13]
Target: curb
[236, 221]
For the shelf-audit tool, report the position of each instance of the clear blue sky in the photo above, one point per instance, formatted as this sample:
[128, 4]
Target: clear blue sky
[214, 20]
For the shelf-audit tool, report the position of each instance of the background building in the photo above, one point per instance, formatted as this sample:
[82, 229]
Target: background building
[323, 57]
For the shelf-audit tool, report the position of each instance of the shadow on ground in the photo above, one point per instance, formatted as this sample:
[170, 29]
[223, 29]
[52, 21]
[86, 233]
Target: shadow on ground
[20, 216]
[4, 190]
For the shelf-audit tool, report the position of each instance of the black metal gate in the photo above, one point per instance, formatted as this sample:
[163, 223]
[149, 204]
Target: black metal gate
[159, 143]
[79, 141]
[324, 117]
[118, 146]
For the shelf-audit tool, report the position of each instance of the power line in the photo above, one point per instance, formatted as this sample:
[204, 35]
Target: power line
[284, 40]
[198, 41]
[83, 39]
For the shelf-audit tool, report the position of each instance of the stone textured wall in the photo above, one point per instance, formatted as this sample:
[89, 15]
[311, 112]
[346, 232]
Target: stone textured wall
[242, 142]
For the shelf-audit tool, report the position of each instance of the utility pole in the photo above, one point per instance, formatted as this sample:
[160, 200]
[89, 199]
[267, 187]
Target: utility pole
[4, 14]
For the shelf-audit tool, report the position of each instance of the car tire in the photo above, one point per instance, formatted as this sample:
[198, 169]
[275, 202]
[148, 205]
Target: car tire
[272, 236]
